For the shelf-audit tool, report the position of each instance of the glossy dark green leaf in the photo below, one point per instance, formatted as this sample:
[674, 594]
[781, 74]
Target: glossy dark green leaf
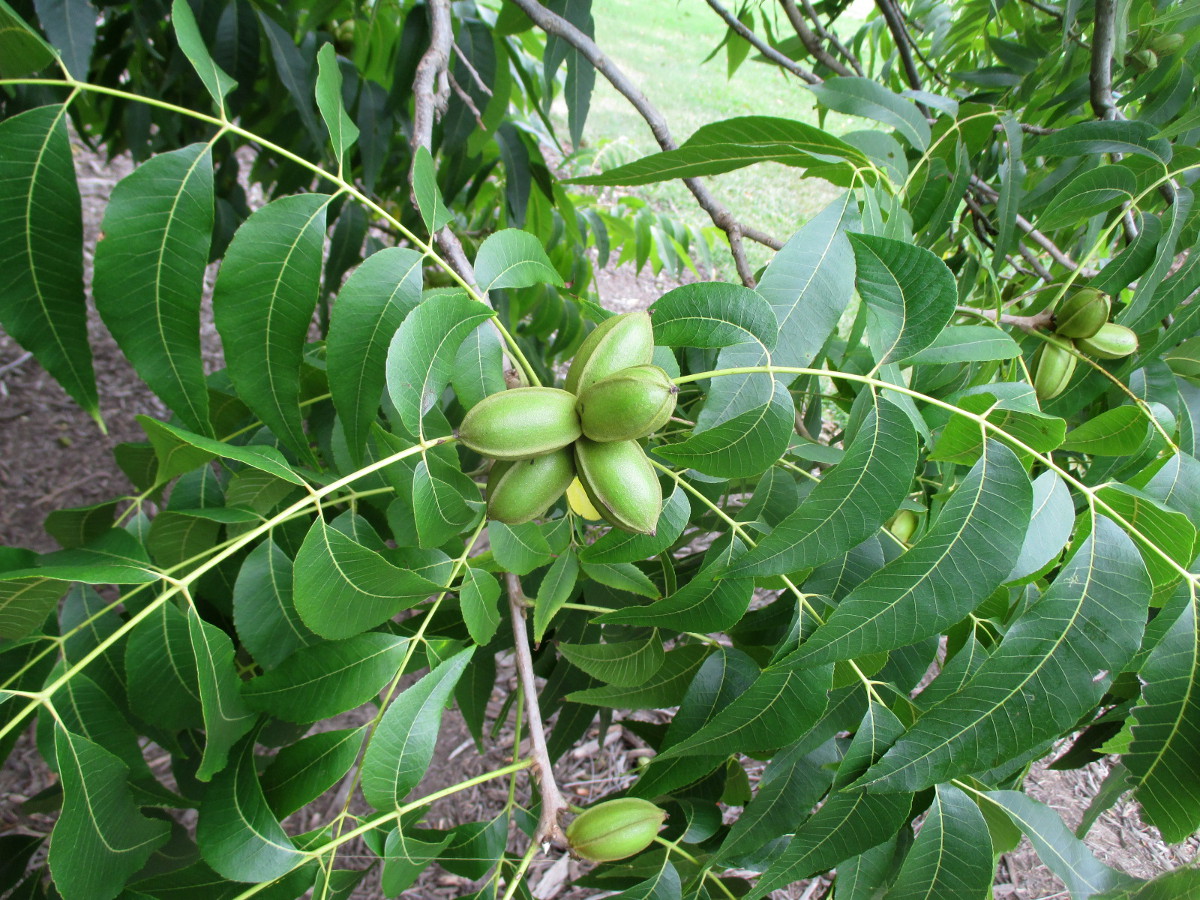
[703, 605]
[236, 831]
[622, 577]
[264, 610]
[71, 27]
[427, 192]
[910, 295]
[163, 679]
[342, 131]
[871, 100]
[402, 746]
[303, 771]
[342, 588]
[216, 81]
[624, 664]
[326, 679]
[1052, 666]
[741, 446]
[513, 259]
[954, 565]
[849, 504]
[557, 588]
[41, 247]
[22, 50]
[295, 73]
[713, 314]
[263, 302]
[952, 855]
[420, 359]
[1114, 432]
[150, 271]
[665, 688]
[100, 838]
[226, 716]
[370, 307]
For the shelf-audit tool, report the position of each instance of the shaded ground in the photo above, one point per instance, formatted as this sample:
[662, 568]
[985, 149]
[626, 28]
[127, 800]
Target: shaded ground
[52, 455]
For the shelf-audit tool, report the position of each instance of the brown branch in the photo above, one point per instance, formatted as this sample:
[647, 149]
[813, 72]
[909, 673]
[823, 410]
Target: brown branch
[829, 36]
[1028, 129]
[1100, 76]
[764, 48]
[552, 23]
[811, 40]
[1044, 319]
[468, 102]
[900, 37]
[549, 827]
[986, 191]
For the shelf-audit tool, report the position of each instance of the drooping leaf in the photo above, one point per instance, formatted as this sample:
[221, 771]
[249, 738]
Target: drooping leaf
[425, 189]
[478, 596]
[741, 446]
[849, 504]
[624, 664]
[402, 747]
[22, 50]
[713, 314]
[71, 27]
[954, 565]
[74, 527]
[302, 771]
[665, 688]
[1089, 193]
[1122, 136]
[264, 610]
[519, 548]
[327, 679]
[180, 451]
[1170, 531]
[1049, 527]
[1052, 666]
[41, 247]
[295, 73]
[342, 130]
[871, 100]
[187, 32]
[162, 672]
[226, 716]
[557, 588]
[952, 855]
[263, 302]
[622, 577]
[513, 259]
[404, 858]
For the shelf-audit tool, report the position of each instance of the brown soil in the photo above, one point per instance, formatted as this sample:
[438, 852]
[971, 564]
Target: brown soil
[52, 455]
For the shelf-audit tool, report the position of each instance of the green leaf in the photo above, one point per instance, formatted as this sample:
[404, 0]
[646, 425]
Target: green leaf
[149, 274]
[703, 605]
[478, 596]
[513, 259]
[1052, 666]
[622, 577]
[1090, 193]
[967, 343]
[1124, 136]
[163, 678]
[910, 295]
[1049, 528]
[663, 885]
[518, 548]
[180, 451]
[26, 602]
[711, 314]
[216, 82]
[1171, 532]
[296, 74]
[952, 855]
[871, 100]
[665, 688]
[445, 501]
[80, 525]
[342, 130]
[958, 562]
[1062, 853]
[479, 366]
[41, 247]
[100, 838]
[403, 744]
[557, 588]
[849, 504]
[428, 194]
[1168, 886]
[404, 858]
[263, 302]
[420, 359]
[962, 440]
[342, 588]
[303, 771]
[1166, 730]
[621, 547]
[226, 717]
[742, 446]
[327, 679]
[22, 50]
[236, 831]
[777, 709]
[1114, 432]
[71, 27]
[264, 610]
[624, 664]
[116, 557]
[732, 144]
[370, 307]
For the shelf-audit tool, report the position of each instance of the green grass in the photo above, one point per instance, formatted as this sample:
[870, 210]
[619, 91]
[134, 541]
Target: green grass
[661, 45]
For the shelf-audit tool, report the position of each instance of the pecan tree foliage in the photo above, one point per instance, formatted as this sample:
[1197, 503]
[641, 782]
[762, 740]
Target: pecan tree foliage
[918, 533]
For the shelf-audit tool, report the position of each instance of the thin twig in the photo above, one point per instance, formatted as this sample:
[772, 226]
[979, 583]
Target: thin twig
[989, 193]
[812, 40]
[552, 23]
[16, 363]
[553, 803]
[1026, 323]
[762, 47]
[901, 40]
[479, 82]
[1100, 76]
[829, 36]
[467, 101]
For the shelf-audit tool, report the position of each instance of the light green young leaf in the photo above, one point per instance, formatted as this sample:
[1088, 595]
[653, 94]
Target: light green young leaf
[952, 855]
[1052, 666]
[149, 274]
[624, 664]
[402, 747]
[513, 259]
[263, 302]
[1114, 432]
[665, 688]
[478, 596]
[849, 504]
[236, 832]
[327, 679]
[226, 717]
[420, 359]
[954, 565]
[370, 307]
[342, 130]
[962, 440]
[264, 612]
[100, 838]
[342, 588]
[187, 32]
[1170, 531]
[41, 246]
[557, 588]
[303, 771]
[22, 50]
[713, 314]
[428, 194]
